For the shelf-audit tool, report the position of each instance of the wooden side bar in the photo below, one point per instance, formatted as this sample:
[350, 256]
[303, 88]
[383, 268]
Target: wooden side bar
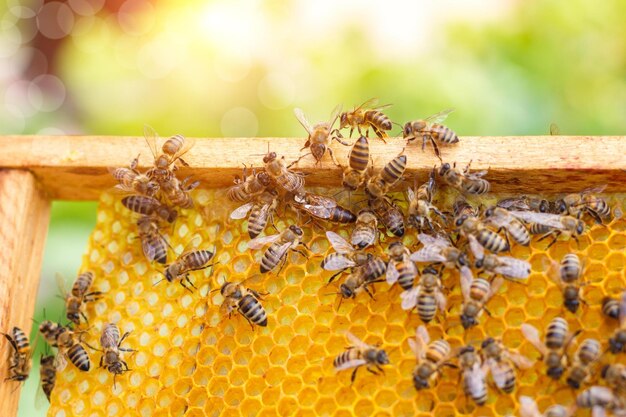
[75, 167]
[24, 218]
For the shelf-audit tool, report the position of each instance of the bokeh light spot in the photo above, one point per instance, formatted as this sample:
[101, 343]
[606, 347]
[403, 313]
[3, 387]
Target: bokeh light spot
[55, 20]
[86, 7]
[11, 39]
[136, 17]
[239, 122]
[46, 93]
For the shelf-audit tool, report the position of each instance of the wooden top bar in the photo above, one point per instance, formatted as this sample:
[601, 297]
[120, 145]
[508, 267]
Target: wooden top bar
[75, 167]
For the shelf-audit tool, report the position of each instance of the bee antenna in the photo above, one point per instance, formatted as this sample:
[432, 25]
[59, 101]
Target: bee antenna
[162, 279]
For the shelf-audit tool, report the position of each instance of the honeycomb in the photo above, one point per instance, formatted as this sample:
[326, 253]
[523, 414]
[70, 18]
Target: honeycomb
[193, 360]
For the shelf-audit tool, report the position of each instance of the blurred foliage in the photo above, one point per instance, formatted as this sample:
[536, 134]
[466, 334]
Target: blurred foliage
[237, 68]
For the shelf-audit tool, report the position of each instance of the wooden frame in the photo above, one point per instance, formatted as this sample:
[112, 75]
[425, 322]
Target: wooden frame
[37, 169]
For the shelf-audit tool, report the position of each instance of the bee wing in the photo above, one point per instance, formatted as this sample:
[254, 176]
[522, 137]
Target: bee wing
[241, 211]
[477, 249]
[439, 117]
[320, 200]
[410, 194]
[476, 175]
[392, 272]
[495, 285]
[622, 310]
[149, 250]
[337, 262]
[546, 219]
[259, 242]
[600, 411]
[356, 342]
[441, 301]
[368, 104]
[187, 144]
[151, 139]
[531, 334]
[520, 360]
[420, 343]
[513, 267]
[303, 120]
[318, 211]
[466, 282]
[409, 298]
[528, 407]
[334, 115]
[351, 364]
[61, 284]
[428, 254]
[428, 240]
[475, 378]
[339, 243]
[498, 372]
[515, 203]
[60, 362]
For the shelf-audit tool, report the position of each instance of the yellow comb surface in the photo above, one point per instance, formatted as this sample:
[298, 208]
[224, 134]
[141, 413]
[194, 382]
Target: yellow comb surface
[193, 360]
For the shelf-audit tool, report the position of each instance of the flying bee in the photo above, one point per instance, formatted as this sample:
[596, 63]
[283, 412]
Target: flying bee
[361, 354]
[365, 232]
[513, 227]
[379, 185]
[440, 250]
[78, 296]
[587, 354]
[420, 204]
[131, 180]
[571, 288]
[510, 268]
[464, 181]
[47, 374]
[324, 208]
[19, 361]
[280, 245]
[177, 192]
[153, 244]
[362, 277]
[474, 374]
[278, 171]
[554, 225]
[358, 161]
[501, 361]
[427, 296]
[553, 349]
[149, 206]
[346, 256]
[367, 116]
[261, 209]
[68, 344]
[489, 239]
[600, 399]
[528, 408]
[246, 301]
[431, 357]
[617, 342]
[525, 203]
[476, 292]
[585, 202]
[401, 268]
[168, 161]
[431, 129]
[611, 307]
[188, 261]
[111, 344]
[250, 186]
[320, 135]
[389, 215]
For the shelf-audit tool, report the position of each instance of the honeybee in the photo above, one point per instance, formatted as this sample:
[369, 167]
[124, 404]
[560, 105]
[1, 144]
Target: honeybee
[379, 185]
[361, 354]
[553, 350]
[167, 162]
[611, 307]
[324, 208]
[528, 408]
[68, 344]
[261, 209]
[587, 354]
[358, 161]
[420, 204]
[570, 269]
[615, 377]
[617, 342]
[600, 399]
[476, 292]
[362, 277]
[246, 301]
[365, 116]
[553, 225]
[427, 296]
[464, 181]
[47, 374]
[400, 268]
[567, 280]
[320, 135]
[501, 360]
[474, 374]
[250, 186]
[462, 207]
[431, 357]
[188, 261]
[19, 361]
[111, 343]
[149, 206]
[389, 214]
[278, 171]
[490, 240]
[440, 250]
[585, 202]
[365, 232]
[345, 256]
[153, 244]
[78, 295]
[502, 219]
[281, 244]
[131, 180]
[510, 268]
[525, 203]
[431, 129]
[177, 192]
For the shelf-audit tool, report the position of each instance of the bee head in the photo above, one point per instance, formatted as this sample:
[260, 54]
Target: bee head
[152, 187]
[544, 206]
[580, 227]
[343, 120]
[555, 372]
[615, 345]
[559, 205]
[263, 178]
[468, 321]
[489, 212]
[480, 262]
[604, 371]
[407, 131]
[295, 229]
[467, 349]
[460, 220]
[430, 270]
[346, 292]
[168, 273]
[269, 157]
[488, 341]
[463, 259]
[73, 317]
[444, 168]
[382, 358]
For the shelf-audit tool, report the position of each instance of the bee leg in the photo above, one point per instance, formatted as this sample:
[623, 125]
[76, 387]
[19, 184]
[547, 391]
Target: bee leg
[594, 214]
[332, 156]
[298, 160]
[335, 275]
[368, 292]
[354, 375]
[182, 282]
[372, 371]
[84, 317]
[91, 347]
[11, 341]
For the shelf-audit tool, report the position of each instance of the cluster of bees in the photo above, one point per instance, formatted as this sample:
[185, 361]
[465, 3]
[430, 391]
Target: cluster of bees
[461, 238]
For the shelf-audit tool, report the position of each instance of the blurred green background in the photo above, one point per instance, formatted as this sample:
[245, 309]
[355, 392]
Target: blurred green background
[237, 68]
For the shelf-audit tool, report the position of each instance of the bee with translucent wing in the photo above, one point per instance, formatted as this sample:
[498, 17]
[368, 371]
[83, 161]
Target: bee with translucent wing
[427, 296]
[361, 354]
[362, 278]
[346, 256]
[280, 173]
[501, 362]
[476, 293]
[431, 357]
[367, 115]
[600, 400]
[570, 285]
[132, 181]
[280, 245]
[465, 181]
[245, 301]
[513, 227]
[400, 267]
[474, 374]
[111, 343]
[439, 249]
[365, 232]
[587, 354]
[617, 342]
[324, 208]
[379, 185]
[431, 129]
[249, 186]
[420, 204]
[513, 269]
[320, 135]
[388, 214]
[78, 296]
[553, 350]
[153, 244]
[354, 175]
[490, 240]
[557, 225]
[19, 360]
[528, 408]
[587, 202]
[188, 261]
[68, 344]
[261, 210]
[172, 151]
